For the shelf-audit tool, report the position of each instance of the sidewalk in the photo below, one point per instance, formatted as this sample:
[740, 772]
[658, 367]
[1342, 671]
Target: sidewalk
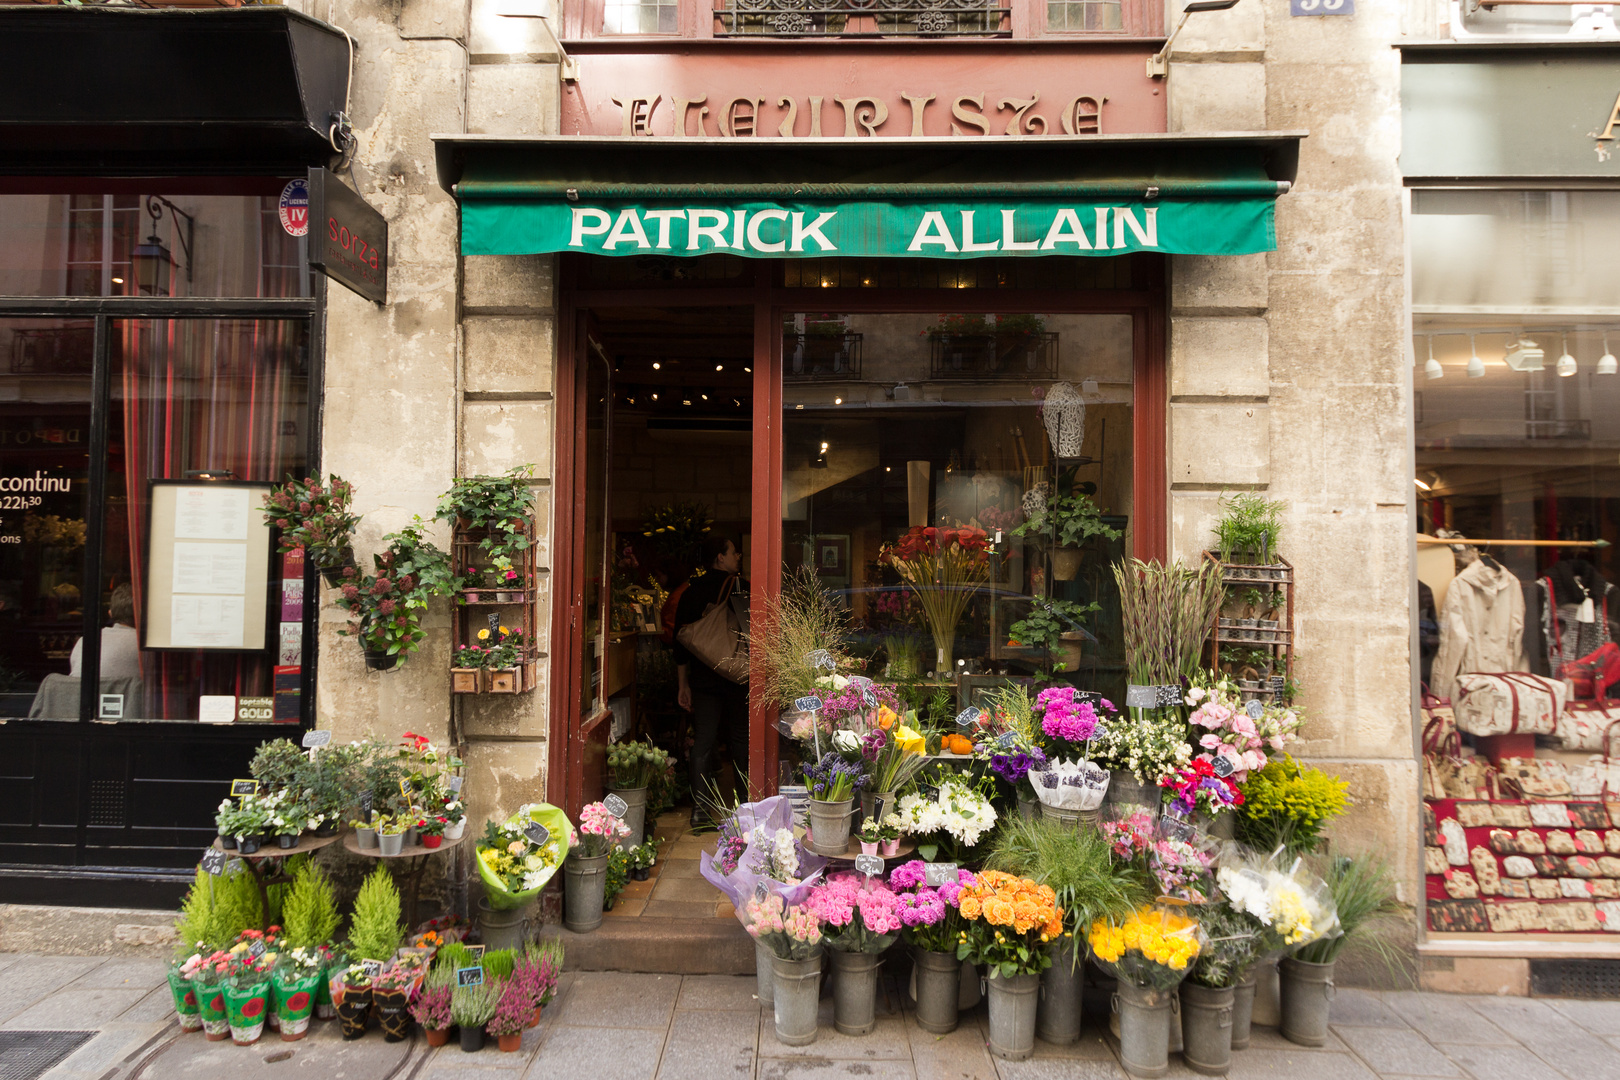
[709, 1027]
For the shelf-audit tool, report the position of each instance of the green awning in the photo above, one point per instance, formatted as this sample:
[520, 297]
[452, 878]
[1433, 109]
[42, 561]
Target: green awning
[930, 198]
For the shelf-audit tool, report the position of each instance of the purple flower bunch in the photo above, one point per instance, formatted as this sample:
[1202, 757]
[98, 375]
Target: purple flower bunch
[832, 779]
[729, 849]
[1068, 724]
[873, 743]
[1015, 767]
[929, 913]
[837, 705]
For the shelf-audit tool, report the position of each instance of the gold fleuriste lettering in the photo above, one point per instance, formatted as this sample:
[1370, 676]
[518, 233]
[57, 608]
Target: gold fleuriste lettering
[741, 117]
[638, 114]
[974, 119]
[918, 104]
[870, 119]
[1016, 128]
[815, 118]
[1614, 118]
[1083, 115]
[792, 107]
[681, 106]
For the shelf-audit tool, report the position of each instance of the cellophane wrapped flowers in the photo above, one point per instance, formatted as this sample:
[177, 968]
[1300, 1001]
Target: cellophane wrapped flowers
[1294, 906]
[1182, 861]
[513, 868]
[790, 932]
[860, 914]
[929, 913]
[598, 831]
[1153, 949]
[1071, 785]
[1007, 919]
[1130, 832]
[757, 848]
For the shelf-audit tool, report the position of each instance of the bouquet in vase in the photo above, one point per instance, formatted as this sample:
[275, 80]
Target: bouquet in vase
[790, 932]
[1182, 861]
[1233, 740]
[1008, 918]
[598, 831]
[512, 866]
[859, 914]
[945, 568]
[956, 816]
[930, 914]
[1293, 905]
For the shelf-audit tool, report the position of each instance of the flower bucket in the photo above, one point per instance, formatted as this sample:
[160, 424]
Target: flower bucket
[1304, 993]
[764, 980]
[185, 1002]
[1124, 787]
[829, 826]
[939, 985]
[1206, 1028]
[211, 1007]
[1243, 1010]
[796, 999]
[584, 889]
[392, 1015]
[294, 999]
[353, 1011]
[245, 1008]
[1144, 1029]
[635, 816]
[365, 838]
[855, 991]
[1012, 1015]
[1057, 1014]
[1074, 819]
[391, 843]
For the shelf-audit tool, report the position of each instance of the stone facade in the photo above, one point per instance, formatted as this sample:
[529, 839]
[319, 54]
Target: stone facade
[1288, 371]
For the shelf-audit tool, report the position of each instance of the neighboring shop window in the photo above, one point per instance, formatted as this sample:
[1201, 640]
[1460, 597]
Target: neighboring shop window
[639, 17]
[1517, 428]
[900, 427]
[1067, 16]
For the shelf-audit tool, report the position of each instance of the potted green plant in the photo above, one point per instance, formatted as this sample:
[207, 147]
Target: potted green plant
[430, 827]
[1065, 524]
[315, 517]
[471, 1007]
[1051, 627]
[512, 1014]
[391, 833]
[642, 858]
[1248, 529]
[498, 505]
[374, 930]
[634, 766]
[365, 831]
[871, 836]
[277, 764]
[386, 608]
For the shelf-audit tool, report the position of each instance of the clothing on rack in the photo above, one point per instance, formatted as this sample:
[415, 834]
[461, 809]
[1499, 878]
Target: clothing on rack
[1481, 625]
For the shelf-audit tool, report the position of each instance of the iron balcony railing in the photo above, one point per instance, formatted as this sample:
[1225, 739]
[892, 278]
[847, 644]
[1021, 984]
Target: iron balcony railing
[861, 18]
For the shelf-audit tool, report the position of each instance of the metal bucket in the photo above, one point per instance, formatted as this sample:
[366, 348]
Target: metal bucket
[764, 981]
[1304, 993]
[1265, 1010]
[1077, 819]
[1057, 1016]
[501, 929]
[635, 815]
[1206, 1028]
[1144, 1029]
[938, 985]
[855, 991]
[1242, 1010]
[584, 888]
[1124, 787]
[1012, 1015]
[796, 999]
[829, 826]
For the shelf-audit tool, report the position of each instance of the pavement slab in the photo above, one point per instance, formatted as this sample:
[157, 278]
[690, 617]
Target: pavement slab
[619, 1000]
[887, 1041]
[74, 1010]
[820, 1068]
[959, 1055]
[731, 992]
[1598, 1017]
[323, 1055]
[1402, 1051]
[112, 1046]
[1362, 1008]
[714, 1045]
[1060, 1069]
[1446, 1018]
[626, 1053]
[1499, 1062]
[123, 973]
[1297, 1064]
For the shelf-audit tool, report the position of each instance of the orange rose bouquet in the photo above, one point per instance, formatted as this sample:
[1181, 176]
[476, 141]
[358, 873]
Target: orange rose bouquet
[1008, 920]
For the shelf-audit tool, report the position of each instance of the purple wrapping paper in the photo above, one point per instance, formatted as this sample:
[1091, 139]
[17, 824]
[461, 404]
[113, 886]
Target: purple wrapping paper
[757, 823]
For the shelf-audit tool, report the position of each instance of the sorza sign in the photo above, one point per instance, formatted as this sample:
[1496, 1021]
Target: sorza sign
[1223, 226]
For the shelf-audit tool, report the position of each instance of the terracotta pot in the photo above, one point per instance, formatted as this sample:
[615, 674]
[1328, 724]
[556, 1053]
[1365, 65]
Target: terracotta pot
[437, 1036]
[536, 1021]
[510, 1044]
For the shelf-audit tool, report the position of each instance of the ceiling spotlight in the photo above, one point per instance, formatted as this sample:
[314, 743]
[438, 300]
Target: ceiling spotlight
[838, 401]
[655, 397]
[1432, 368]
[1566, 363]
[1607, 364]
[686, 401]
[1476, 366]
[1421, 485]
[719, 367]
[705, 397]
[656, 365]
[749, 370]
[1525, 355]
[118, 281]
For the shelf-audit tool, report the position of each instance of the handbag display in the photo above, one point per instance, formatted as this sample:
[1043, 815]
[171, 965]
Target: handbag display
[1507, 703]
[716, 638]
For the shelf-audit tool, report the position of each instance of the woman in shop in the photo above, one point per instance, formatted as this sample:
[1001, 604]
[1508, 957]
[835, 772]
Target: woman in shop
[719, 707]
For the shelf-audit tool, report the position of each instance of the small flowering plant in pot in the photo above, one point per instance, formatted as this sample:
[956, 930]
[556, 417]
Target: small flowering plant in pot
[315, 517]
[294, 985]
[386, 608]
[871, 835]
[499, 505]
[431, 827]
[247, 992]
[431, 1008]
[512, 1015]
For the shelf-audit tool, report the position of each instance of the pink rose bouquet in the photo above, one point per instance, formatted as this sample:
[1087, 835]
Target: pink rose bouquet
[861, 914]
[792, 933]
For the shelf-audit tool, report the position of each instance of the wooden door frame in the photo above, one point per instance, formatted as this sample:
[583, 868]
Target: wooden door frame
[1146, 305]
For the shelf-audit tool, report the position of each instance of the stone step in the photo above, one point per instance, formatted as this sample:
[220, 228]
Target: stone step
[674, 946]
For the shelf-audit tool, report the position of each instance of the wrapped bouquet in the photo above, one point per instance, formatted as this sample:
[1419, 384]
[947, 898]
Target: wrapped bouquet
[513, 867]
[757, 850]
[1152, 949]
[1294, 906]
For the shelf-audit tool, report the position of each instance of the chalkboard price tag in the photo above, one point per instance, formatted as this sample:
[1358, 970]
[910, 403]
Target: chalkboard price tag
[936, 874]
[1007, 739]
[616, 806]
[477, 952]
[405, 788]
[859, 682]
[365, 805]
[537, 834]
[313, 739]
[372, 968]
[1254, 709]
[869, 698]
[807, 704]
[1141, 697]
[968, 716]
[870, 865]
[494, 622]
[240, 788]
[455, 784]
[213, 861]
[1222, 767]
[256, 949]
[470, 976]
[1169, 695]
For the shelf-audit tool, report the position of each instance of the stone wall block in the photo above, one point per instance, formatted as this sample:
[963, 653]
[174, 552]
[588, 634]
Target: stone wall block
[1192, 523]
[1238, 29]
[500, 434]
[526, 282]
[433, 18]
[1337, 329]
[502, 776]
[509, 354]
[512, 99]
[1220, 444]
[1217, 97]
[496, 33]
[1218, 283]
[1219, 357]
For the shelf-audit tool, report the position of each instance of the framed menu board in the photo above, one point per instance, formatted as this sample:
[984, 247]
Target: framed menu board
[207, 580]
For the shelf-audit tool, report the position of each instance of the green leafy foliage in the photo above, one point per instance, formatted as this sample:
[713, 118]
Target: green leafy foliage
[386, 607]
[1067, 521]
[472, 1006]
[618, 876]
[1363, 889]
[498, 963]
[312, 515]
[310, 915]
[1249, 523]
[217, 909]
[1287, 805]
[635, 764]
[375, 932]
[498, 504]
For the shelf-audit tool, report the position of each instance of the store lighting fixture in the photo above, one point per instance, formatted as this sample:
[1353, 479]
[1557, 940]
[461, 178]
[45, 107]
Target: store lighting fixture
[1432, 369]
[838, 401]
[1525, 355]
[656, 365]
[1566, 363]
[819, 461]
[686, 401]
[655, 397]
[1158, 64]
[1421, 485]
[117, 281]
[1607, 364]
[719, 367]
[749, 370]
[705, 397]
[1476, 366]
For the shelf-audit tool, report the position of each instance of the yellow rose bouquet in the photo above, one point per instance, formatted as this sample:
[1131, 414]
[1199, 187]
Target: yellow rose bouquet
[1153, 949]
[1007, 921]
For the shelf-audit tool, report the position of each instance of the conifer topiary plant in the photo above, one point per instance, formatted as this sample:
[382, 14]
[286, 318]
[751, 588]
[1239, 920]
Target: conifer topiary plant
[310, 915]
[374, 933]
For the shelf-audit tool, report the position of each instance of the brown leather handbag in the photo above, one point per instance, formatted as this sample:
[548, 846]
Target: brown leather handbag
[716, 638]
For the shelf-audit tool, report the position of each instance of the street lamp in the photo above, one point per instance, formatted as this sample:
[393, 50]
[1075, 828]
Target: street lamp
[1158, 64]
[152, 261]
